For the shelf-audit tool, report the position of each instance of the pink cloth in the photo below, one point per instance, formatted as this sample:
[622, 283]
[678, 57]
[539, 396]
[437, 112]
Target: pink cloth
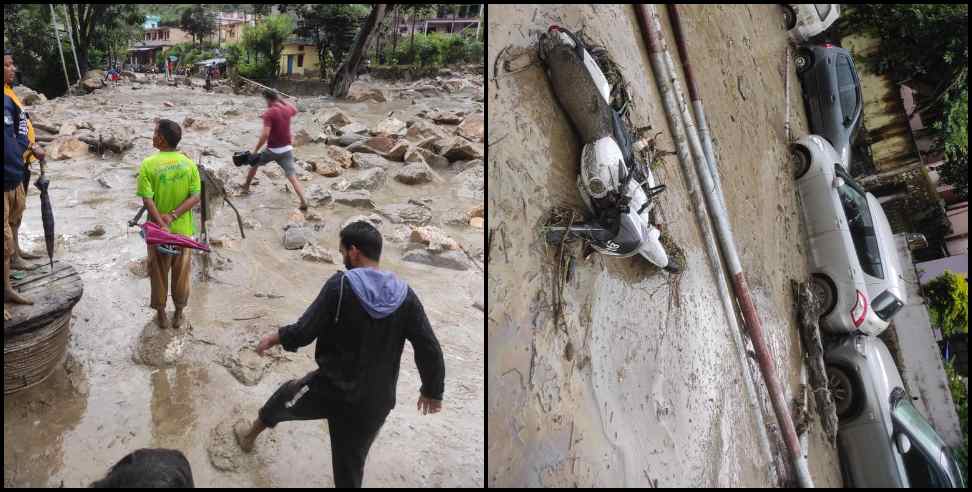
[157, 235]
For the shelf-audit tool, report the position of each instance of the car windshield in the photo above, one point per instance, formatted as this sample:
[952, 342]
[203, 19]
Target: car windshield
[886, 305]
[822, 9]
[929, 462]
[854, 201]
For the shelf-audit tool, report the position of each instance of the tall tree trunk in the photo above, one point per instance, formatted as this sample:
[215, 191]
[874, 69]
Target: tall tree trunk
[348, 70]
[411, 45]
[395, 39]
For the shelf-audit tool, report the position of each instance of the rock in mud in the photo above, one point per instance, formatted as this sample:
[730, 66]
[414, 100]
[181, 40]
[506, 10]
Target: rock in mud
[339, 155]
[403, 213]
[29, 96]
[372, 219]
[139, 267]
[301, 138]
[336, 118]
[453, 260]
[346, 140]
[391, 126]
[294, 238]
[433, 238]
[472, 128]
[460, 149]
[369, 179]
[369, 161]
[328, 169]
[354, 129]
[358, 93]
[415, 173]
[378, 144]
[422, 129]
[98, 231]
[315, 254]
[359, 198]
[477, 222]
[445, 117]
[318, 197]
[66, 148]
[397, 153]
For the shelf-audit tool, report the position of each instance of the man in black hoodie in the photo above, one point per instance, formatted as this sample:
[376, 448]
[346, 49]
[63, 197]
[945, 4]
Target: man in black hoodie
[360, 319]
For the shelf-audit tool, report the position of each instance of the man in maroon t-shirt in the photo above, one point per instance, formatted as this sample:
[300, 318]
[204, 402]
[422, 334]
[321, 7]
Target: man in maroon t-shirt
[276, 134]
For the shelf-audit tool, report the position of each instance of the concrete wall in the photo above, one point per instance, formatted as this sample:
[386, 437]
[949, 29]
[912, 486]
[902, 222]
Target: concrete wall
[921, 361]
[311, 61]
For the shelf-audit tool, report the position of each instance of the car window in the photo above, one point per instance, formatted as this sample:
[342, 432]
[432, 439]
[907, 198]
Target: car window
[847, 86]
[854, 202]
[929, 462]
[886, 305]
[848, 103]
[823, 9]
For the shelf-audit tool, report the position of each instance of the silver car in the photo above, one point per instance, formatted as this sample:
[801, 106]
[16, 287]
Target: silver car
[832, 94]
[853, 257]
[806, 20]
[883, 441]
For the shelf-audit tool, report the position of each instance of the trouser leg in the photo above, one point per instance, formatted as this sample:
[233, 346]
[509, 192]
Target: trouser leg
[351, 439]
[158, 269]
[181, 277]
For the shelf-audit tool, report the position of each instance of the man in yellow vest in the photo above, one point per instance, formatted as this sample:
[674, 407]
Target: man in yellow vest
[34, 151]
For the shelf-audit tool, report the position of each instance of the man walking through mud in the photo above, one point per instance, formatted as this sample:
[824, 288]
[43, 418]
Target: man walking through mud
[276, 134]
[360, 319]
[169, 185]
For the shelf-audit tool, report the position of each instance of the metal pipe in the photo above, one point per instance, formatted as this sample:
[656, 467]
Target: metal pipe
[665, 75]
[59, 48]
[696, 98]
[74, 50]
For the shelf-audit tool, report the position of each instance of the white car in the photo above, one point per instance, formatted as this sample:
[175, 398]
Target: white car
[853, 257]
[806, 20]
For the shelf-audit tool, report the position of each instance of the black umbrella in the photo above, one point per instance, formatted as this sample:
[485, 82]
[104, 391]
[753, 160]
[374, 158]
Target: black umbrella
[47, 214]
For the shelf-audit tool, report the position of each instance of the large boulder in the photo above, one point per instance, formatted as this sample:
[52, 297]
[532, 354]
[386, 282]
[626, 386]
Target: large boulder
[29, 96]
[335, 118]
[420, 130]
[95, 74]
[91, 85]
[354, 128]
[391, 126]
[372, 219]
[316, 196]
[346, 139]
[360, 93]
[312, 253]
[359, 198]
[445, 117]
[379, 144]
[472, 128]
[455, 85]
[295, 237]
[369, 179]
[414, 173]
[453, 260]
[301, 138]
[128, 74]
[407, 213]
[460, 149]
[369, 161]
[433, 238]
[66, 148]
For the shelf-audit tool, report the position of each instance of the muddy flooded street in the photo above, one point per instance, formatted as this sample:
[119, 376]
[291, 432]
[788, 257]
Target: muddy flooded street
[640, 384]
[127, 385]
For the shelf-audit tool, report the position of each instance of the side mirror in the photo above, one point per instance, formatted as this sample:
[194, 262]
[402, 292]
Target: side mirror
[902, 442]
[838, 181]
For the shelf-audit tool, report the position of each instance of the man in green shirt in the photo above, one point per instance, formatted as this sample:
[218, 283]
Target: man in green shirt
[169, 185]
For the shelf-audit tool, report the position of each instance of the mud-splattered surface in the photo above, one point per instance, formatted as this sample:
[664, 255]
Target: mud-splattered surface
[71, 429]
[641, 384]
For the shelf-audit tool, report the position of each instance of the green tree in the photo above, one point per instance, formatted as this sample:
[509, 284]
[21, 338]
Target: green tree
[267, 40]
[92, 19]
[198, 22]
[348, 71]
[332, 27]
[948, 302]
[927, 47]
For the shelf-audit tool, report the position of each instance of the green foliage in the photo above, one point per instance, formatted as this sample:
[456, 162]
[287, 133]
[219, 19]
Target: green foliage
[435, 49]
[262, 68]
[266, 39]
[948, 302]
[332, 27]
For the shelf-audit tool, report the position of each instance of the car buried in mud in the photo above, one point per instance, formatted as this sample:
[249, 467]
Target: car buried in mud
[853, 259]
[832, 95]
[883, 441]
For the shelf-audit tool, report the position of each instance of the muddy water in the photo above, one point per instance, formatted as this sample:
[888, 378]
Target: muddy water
[641, 383]
[178, 392]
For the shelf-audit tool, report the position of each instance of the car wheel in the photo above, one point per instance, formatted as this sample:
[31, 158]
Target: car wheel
[824, 289]
[844, 390]
[803, 60]
[799, 160]
[789, 17]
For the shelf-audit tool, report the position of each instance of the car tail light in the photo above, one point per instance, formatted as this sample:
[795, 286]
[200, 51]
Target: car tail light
[859, 310]
[553, 28]
[828, 45]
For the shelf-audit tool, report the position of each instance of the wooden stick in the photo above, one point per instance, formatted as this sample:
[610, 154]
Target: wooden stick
[265, 87]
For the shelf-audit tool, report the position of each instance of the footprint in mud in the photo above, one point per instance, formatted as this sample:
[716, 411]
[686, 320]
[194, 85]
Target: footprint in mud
[248, 367]
[225, 453]
[159, 348]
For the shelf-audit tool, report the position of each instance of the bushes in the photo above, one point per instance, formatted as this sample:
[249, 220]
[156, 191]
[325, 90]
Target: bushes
[258, 69]
[434, 49]
[948, 302]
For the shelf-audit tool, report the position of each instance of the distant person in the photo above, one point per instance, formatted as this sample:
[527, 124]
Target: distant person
[360, 320]
[169, 185]
[276, 134]
[149, 469]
